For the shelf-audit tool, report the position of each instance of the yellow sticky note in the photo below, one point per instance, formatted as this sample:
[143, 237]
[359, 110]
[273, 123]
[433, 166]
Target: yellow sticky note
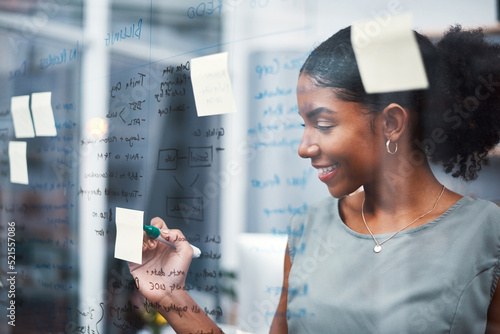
[213, 94]
[21, 116]
[18, 162]
[387, 54]
[43, 116]
[128, 245]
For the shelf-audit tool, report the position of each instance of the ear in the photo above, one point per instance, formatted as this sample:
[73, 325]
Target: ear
[395, 121]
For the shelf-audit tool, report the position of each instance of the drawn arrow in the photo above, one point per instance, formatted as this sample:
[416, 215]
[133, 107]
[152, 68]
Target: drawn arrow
[198, 175]
[192, 183]
[121, 115]
[180, 185]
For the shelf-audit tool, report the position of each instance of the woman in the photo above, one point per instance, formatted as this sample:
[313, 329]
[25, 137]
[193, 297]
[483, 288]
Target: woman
[405, 254]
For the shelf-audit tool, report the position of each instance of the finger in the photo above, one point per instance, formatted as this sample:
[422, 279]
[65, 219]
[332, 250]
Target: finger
[151, 243]
[147, 242]
[158, 222]
[179, 240]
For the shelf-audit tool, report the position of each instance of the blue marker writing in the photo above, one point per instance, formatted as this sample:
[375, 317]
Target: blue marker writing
[154, 233]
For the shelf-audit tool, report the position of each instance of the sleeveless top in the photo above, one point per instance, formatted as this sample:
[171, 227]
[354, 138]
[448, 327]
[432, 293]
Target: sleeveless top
[435, 278]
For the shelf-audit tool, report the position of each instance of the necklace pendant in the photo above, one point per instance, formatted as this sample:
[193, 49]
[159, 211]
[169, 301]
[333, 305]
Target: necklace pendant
[377, 248]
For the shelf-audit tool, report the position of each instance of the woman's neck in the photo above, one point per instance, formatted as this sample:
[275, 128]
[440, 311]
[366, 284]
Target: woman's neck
[395, 201]
[394, 194]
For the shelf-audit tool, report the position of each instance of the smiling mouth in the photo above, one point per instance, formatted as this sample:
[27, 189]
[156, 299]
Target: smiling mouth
[326, 170]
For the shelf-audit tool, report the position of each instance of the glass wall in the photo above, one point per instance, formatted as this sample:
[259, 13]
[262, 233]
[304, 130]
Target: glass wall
[116, 76]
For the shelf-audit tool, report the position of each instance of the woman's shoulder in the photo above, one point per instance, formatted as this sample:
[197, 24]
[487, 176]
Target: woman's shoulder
[321, 211]
[325, 206]
[306, 226]
[325, 203]
[471, 206]
[479, 216]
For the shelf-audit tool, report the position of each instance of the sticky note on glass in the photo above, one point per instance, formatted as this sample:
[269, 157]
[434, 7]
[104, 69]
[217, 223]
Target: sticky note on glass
[213, 94]
[18, 162]
[387, 54]
[128, 245]
[21, 116]
[43, 116]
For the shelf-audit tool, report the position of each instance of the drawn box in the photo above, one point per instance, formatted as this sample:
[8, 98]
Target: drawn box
[200, 156]
[185, 207]
[167, 159]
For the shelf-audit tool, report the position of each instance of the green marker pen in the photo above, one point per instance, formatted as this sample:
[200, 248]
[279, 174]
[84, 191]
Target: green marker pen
[154, 233]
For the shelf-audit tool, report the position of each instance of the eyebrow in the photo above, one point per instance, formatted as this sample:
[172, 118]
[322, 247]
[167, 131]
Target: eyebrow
[310, 114]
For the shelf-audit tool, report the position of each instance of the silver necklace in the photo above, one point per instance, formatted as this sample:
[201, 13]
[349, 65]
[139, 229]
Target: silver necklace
[378, 245]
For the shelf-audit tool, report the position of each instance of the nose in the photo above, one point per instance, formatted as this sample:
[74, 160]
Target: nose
[308, 147]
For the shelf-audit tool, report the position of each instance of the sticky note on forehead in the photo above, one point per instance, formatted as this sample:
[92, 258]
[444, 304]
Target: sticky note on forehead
[387, 54]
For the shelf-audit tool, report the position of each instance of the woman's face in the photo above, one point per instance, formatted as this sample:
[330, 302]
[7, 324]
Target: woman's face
[338, 138]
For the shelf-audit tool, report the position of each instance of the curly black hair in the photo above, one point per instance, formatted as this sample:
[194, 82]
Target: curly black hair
[459, 114]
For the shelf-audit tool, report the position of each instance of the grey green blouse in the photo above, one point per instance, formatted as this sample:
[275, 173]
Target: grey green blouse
[434, 278]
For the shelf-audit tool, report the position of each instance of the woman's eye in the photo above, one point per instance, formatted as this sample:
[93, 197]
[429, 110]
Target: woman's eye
[320, 127]
[323, 127]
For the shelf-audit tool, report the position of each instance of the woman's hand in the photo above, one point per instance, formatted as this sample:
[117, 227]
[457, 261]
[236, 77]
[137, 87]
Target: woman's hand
[164, 268]
[161, 278]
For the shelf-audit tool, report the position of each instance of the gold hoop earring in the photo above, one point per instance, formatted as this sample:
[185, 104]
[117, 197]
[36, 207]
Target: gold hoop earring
[388, 149]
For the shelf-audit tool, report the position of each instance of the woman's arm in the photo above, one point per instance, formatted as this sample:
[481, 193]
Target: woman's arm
[279, 324]
[185, 316]
[493, 325]
[166, 292]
